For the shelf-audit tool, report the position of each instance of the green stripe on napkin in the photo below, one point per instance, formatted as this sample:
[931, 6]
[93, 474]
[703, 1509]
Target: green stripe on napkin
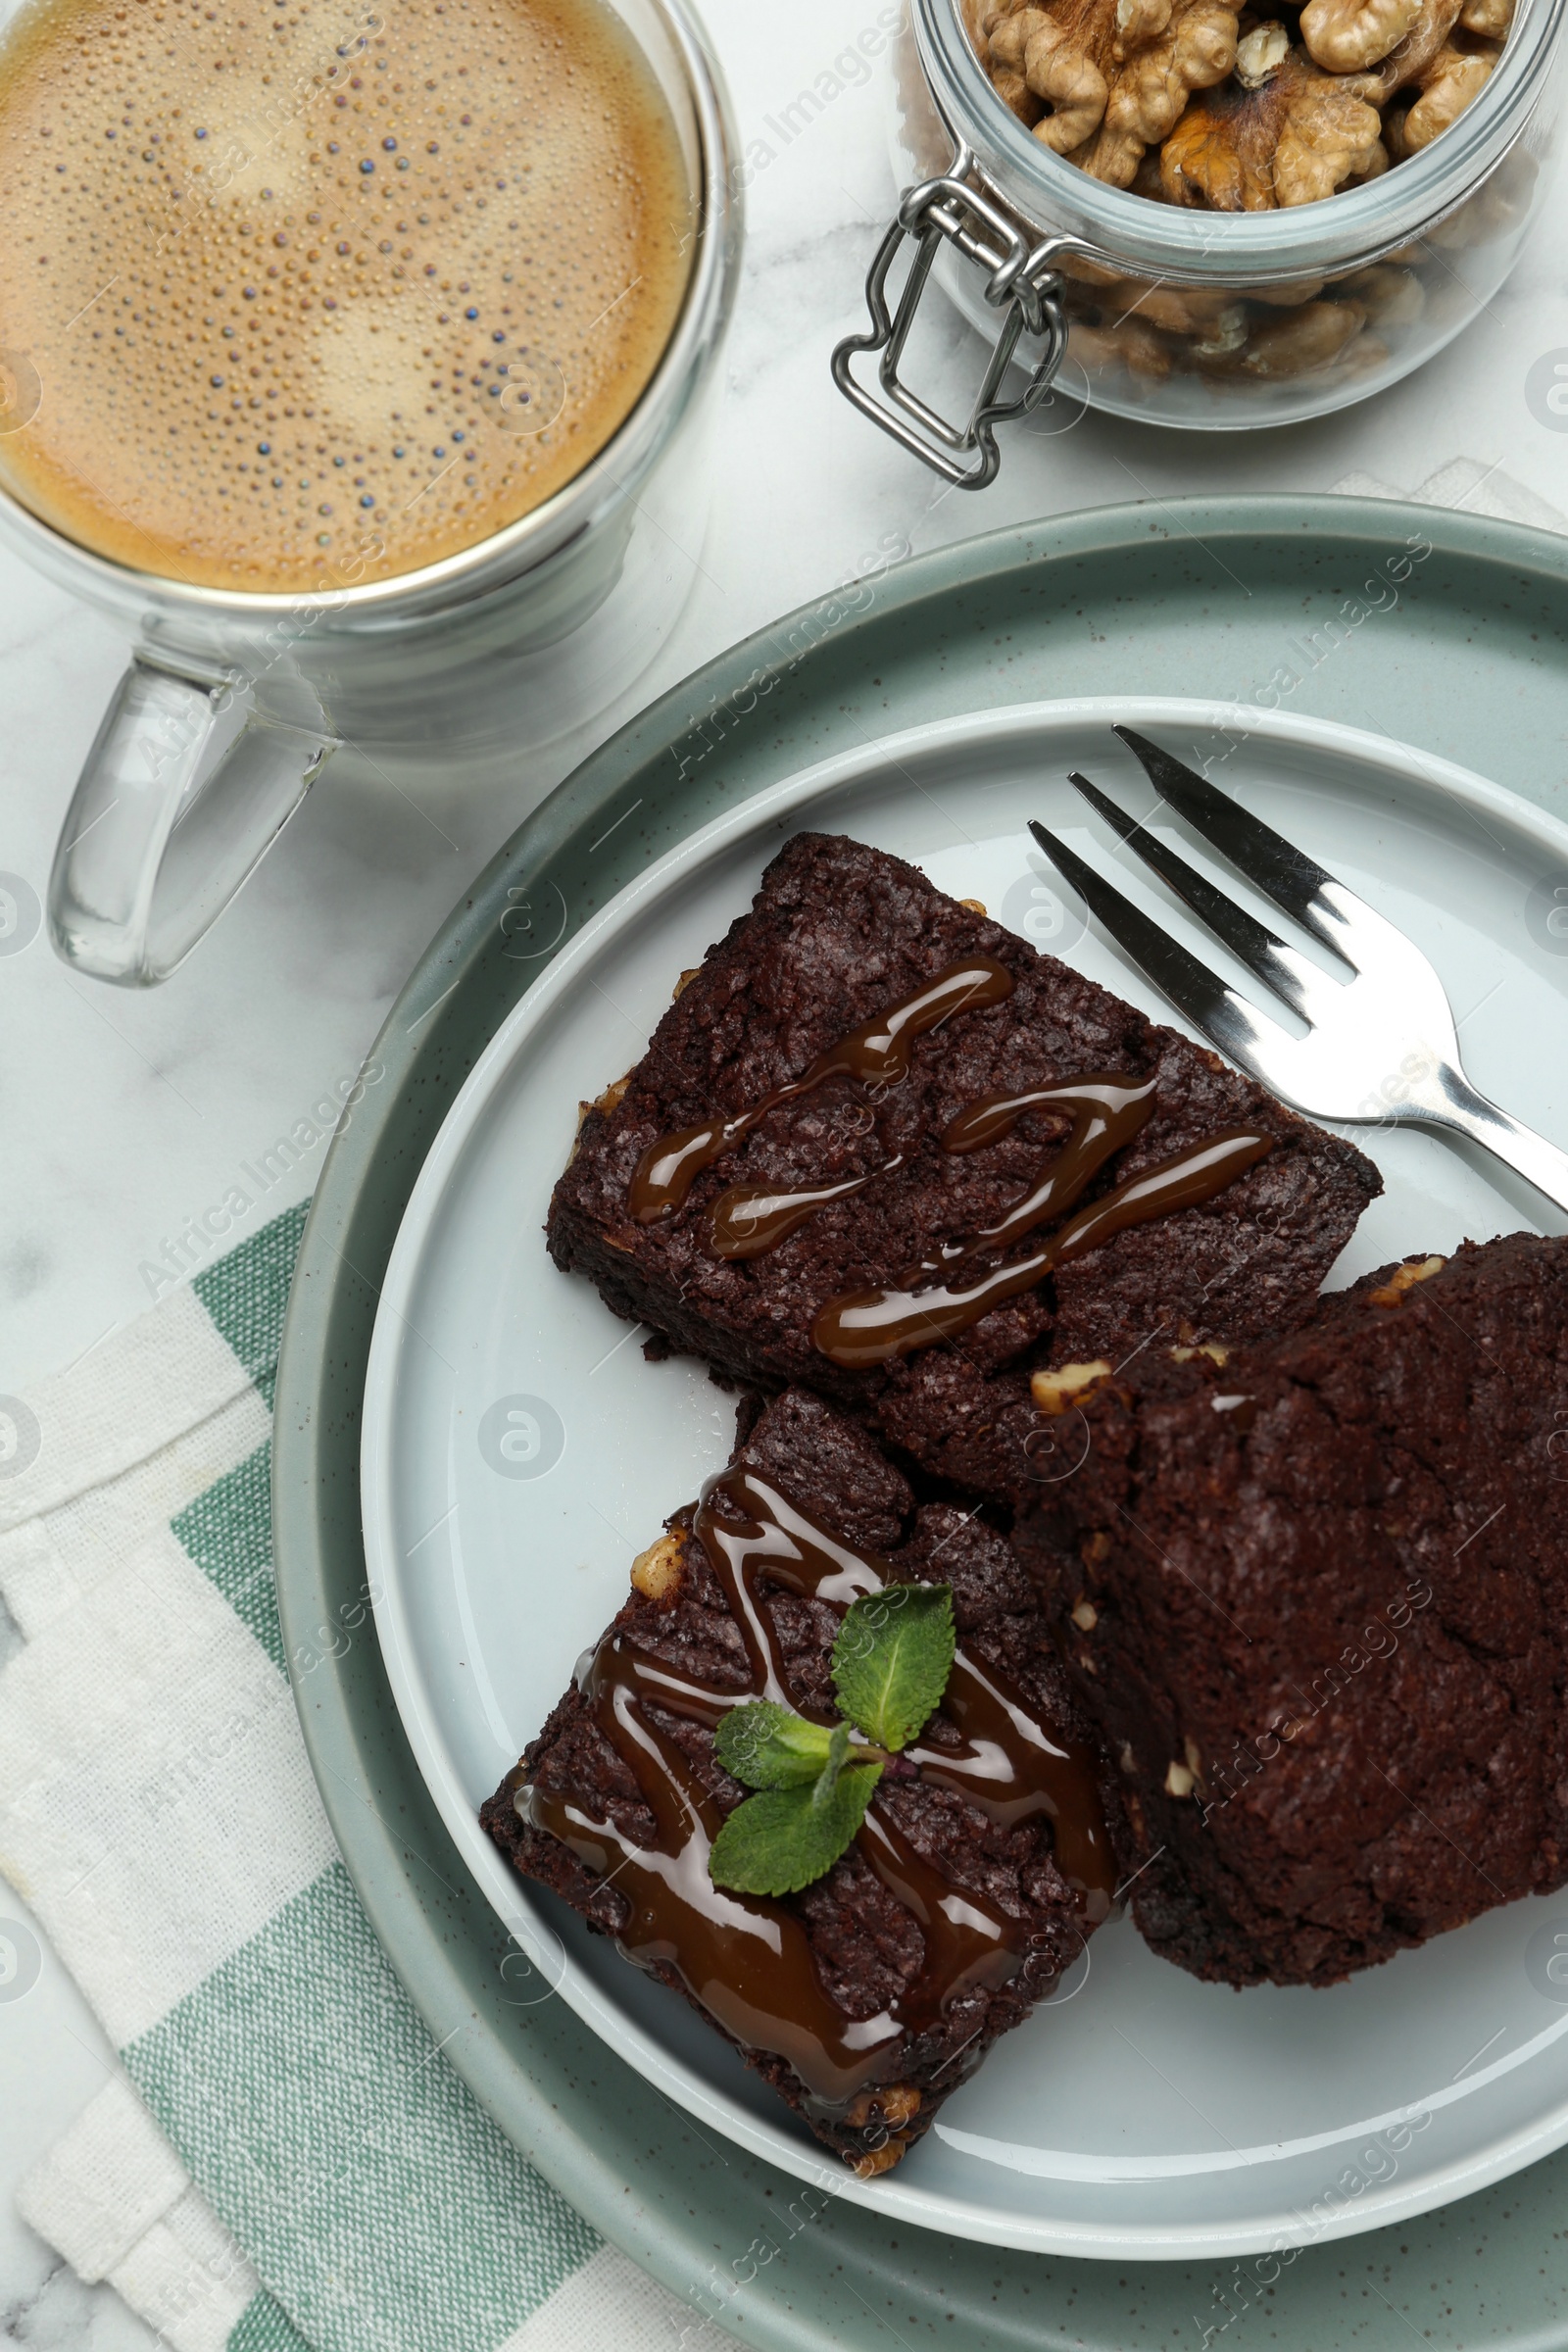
[303, 2170]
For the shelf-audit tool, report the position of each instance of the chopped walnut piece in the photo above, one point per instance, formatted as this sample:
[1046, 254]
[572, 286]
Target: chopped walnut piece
[1085, 1616]
[975, 906]
[892, 2103]
[1345, 36]
[1295, 139]
[607, 1102]
[1054, 1392]
[1095, 1548]
[1179, 1781]
[1114, 74]
[877, 2160]
[1213, 1348]
[684, 982]
[1259, 55]
[1405, 1278]
[657, 1572]
[1490, 17]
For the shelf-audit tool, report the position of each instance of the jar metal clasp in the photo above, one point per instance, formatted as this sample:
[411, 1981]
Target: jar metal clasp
[1022, 281]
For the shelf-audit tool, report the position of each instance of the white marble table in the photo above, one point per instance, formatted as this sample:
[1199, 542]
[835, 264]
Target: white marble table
[123, 1115]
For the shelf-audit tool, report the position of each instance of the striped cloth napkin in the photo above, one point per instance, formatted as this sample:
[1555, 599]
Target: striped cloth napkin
[285, 2160]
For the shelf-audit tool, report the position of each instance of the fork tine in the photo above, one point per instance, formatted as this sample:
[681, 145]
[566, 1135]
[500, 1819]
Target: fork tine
[1291, 977]
[1274, 865]
[1223, 1016]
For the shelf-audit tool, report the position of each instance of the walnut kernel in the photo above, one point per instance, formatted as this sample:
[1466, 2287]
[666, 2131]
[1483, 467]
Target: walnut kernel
[1054, 1392]
[1390, 297]
[895, 2103]
[1114, 74]
[1301, 340]
[1181, 103]
[1345, 36]
[1405, 1278]
[657, 1572]
[1293, 141]
[1260, 53]
[608, 1102]
[1449, 84]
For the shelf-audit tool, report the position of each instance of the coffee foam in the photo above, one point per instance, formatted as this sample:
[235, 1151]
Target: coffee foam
[269, 262]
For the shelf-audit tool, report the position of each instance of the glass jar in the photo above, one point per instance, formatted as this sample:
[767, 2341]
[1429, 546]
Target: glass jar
[1184, 317]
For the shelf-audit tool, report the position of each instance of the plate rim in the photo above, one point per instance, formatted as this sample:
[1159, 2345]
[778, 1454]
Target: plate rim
[794, 798]
[665, 2216]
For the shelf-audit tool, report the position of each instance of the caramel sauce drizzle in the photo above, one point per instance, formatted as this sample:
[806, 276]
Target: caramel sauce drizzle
[1107, 1110]
[876, 1054]
[863, 1328]
[747, 1960]
[751, 1219]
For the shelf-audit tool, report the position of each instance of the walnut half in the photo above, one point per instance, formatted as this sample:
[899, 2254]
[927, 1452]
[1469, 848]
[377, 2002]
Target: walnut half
[1296, 139]
[1447, 86]
[1345, 36]
[1111, 75]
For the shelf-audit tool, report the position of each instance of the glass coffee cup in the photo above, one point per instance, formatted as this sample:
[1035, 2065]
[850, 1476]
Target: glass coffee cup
[235, 701]
[1197, 318]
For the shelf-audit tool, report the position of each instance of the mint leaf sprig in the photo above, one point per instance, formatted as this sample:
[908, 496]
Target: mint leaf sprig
[890, 1667]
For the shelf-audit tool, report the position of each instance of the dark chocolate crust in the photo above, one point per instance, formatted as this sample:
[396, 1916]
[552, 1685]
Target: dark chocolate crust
[866, 1947]
[1341, 1604]
[839, 932]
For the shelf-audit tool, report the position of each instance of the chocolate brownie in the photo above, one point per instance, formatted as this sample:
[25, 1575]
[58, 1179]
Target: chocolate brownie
[1316, 1597]
[871, 1995]
[838, 933]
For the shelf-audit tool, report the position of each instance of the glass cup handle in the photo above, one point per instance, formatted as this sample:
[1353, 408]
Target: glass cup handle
[187, 787]
[1021, 282]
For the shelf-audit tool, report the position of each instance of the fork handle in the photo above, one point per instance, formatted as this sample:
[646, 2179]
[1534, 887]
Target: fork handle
[1457, 1105]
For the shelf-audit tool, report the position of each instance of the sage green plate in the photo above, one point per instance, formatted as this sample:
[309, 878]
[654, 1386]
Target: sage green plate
[1443, 630]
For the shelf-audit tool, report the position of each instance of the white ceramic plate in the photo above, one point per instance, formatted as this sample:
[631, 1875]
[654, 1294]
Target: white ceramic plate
[519, 1452]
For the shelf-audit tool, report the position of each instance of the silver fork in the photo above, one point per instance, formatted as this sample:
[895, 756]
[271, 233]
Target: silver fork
[1380, 1044]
